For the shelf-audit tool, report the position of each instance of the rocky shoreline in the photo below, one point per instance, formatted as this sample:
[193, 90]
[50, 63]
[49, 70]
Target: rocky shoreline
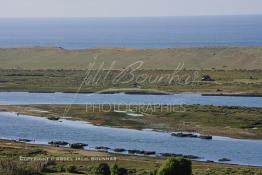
[83, 146]
[233, 94]
[146, 92]
[191, 135]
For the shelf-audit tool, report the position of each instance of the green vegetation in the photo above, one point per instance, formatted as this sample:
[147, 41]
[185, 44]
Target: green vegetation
[172, 166]
[176, 166]
[115, 170]
[10, 167]
[238, 122]
[72, 169]
[103, 169]
[165, 59]
[230, 81]
[10, 152]
[174, 70]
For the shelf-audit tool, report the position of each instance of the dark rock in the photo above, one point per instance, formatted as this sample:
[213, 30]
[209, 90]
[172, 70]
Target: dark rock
[102, 148]
[53, 118]
[132, 151]
[24, 140]
[207, 78]
[224, 160]
[140, 152]
[171, 155]
[63, 143]
[180, 134]
[119, 150]
[78, 145]
[41, 92]
[205, 137]
[191, 157]
[210, 161]
[149, 152]
[166, 154]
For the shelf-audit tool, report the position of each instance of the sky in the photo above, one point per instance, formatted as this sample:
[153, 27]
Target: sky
[126, 8]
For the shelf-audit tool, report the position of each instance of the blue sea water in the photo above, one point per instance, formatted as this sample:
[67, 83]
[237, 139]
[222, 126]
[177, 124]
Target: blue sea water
[148, 32]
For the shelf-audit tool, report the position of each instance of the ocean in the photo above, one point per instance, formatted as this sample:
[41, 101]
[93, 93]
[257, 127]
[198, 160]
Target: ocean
[144, 32]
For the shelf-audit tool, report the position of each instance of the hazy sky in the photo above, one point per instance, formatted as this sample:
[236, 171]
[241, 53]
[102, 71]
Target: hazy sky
[109, 8]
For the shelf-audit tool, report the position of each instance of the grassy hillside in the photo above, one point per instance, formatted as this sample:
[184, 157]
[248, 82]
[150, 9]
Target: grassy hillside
[193, 58]
[185, 81]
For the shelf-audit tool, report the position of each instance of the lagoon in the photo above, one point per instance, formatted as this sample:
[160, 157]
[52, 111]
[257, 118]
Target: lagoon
[42, 130]
[17, 98]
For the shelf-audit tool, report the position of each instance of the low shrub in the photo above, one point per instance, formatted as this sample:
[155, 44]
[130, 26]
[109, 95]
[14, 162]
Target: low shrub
[103, 169]
[176, 166]
[115, 170]
[72, 169]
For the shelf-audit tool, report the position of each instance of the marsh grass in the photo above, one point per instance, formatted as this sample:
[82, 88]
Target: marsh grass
[183, 81]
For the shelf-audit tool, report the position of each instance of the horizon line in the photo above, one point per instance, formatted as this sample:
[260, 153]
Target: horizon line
[72, 17]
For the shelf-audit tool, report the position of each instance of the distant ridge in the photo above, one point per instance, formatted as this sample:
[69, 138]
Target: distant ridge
[193, 58]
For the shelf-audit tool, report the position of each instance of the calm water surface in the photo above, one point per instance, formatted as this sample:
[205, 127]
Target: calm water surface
[121, 98]
[154, 32]
[43, 130]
